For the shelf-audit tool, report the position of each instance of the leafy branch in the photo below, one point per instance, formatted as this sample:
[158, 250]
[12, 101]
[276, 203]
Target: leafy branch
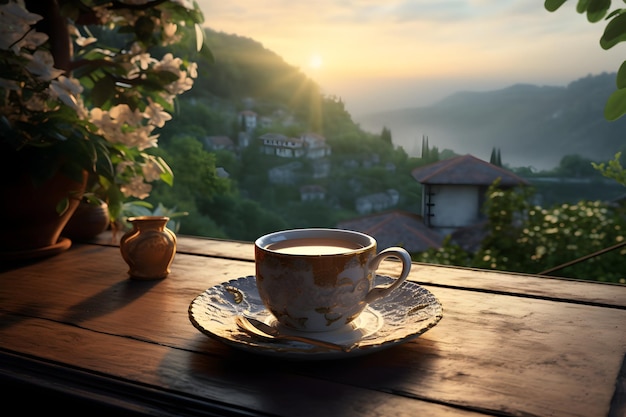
[614, 33]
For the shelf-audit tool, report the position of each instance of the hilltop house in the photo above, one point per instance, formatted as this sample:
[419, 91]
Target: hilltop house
[216, 143]
[280, 145]
[316, 146]
[309, 145]
[453, 191]
[312, 192]
[377, 202]
[285, 174]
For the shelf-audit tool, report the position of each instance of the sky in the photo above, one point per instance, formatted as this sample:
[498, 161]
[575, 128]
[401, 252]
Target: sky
[379, 55]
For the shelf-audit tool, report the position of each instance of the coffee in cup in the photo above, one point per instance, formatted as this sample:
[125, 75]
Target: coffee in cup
[318, 280]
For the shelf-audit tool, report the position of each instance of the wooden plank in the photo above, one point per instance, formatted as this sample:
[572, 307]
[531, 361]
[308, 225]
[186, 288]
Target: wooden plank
[503, 354]
[581, 291]
[618, 403]
[184, 380]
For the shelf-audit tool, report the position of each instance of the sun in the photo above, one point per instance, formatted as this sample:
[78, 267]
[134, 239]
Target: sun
[315, 61]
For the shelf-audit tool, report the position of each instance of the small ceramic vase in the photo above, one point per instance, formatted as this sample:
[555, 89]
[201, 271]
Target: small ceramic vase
[149, 247]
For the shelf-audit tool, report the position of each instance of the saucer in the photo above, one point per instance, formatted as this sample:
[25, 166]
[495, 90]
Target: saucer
[403, 315]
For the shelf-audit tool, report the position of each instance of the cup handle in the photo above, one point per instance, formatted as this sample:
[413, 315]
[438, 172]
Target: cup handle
[393, 252]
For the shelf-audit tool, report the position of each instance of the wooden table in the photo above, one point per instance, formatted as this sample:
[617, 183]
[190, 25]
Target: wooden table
[76, 331]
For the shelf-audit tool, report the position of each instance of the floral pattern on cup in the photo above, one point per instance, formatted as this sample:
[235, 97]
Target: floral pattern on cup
[321, 292]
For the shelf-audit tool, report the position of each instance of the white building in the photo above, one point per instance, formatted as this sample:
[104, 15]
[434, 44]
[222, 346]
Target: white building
[454, 189]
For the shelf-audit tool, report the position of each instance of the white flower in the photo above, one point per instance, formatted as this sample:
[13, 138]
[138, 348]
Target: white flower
[42, 66]
[32, 40]
[67, 90]
[124, 115]
[181, 85]
[144, 60]
[136, 188]
[155, 113]
[151, 170]
[192, 70]
[169, 63]
[15, 22]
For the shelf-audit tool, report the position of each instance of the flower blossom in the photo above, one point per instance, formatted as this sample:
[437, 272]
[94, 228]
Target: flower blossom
[144, 60]
[136, 187]
[122, 125]
[41, 65]
[151, 170]
[15, 22]
[67, 90]
[155, 113]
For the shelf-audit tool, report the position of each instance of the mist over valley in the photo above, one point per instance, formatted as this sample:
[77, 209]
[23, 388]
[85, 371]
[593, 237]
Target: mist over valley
[533, 126]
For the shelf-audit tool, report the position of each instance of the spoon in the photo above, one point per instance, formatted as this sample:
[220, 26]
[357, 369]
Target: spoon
[259, 329]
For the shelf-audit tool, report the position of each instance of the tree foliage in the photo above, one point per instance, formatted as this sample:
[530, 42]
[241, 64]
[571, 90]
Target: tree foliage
[522, 237]
[614, 33]
[612, 169]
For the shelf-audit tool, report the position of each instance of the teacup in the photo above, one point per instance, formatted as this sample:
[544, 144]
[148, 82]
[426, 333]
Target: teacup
[317, 280]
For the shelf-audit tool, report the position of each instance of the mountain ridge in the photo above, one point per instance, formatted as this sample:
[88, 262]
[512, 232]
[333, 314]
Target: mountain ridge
[533, 126]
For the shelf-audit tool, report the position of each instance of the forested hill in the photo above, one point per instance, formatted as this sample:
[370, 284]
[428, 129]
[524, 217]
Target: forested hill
[244, 68]
[245, 75]
[534, 126]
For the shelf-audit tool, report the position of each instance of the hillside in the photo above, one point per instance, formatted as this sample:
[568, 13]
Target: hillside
[534, 126]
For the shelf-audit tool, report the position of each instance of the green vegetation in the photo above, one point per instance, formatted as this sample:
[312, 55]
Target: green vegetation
[244, 75]
[526, 238]
[614, 33]
[522, 236]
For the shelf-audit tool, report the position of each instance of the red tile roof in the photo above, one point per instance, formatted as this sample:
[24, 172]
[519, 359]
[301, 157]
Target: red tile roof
[396, 228]
[465, 170]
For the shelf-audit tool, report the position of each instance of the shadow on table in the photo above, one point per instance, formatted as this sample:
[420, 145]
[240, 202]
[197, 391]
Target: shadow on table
[321, 387]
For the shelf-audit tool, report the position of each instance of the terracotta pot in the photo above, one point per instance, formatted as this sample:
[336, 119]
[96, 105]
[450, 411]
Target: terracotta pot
[88, 221]
[149, 247]
[29, 213]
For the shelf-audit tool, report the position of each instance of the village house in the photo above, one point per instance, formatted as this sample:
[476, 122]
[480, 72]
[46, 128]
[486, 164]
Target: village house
[312, 192]
[453, 194]
[281, 145]
[377, 202]
[315, 145]
[216, 143]
[285, 174]
[454, 191]
[309, 145]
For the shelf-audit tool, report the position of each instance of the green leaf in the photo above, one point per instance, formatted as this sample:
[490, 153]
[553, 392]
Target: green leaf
[167, 175]
[615, 105]
[199, 37]
[553, 5]
[615, 32]
[582, 5]
[144, 29]
[620, 80]
[102, 91]
[597, 9]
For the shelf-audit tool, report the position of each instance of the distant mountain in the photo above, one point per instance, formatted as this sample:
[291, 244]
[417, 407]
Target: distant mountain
[533, 126]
